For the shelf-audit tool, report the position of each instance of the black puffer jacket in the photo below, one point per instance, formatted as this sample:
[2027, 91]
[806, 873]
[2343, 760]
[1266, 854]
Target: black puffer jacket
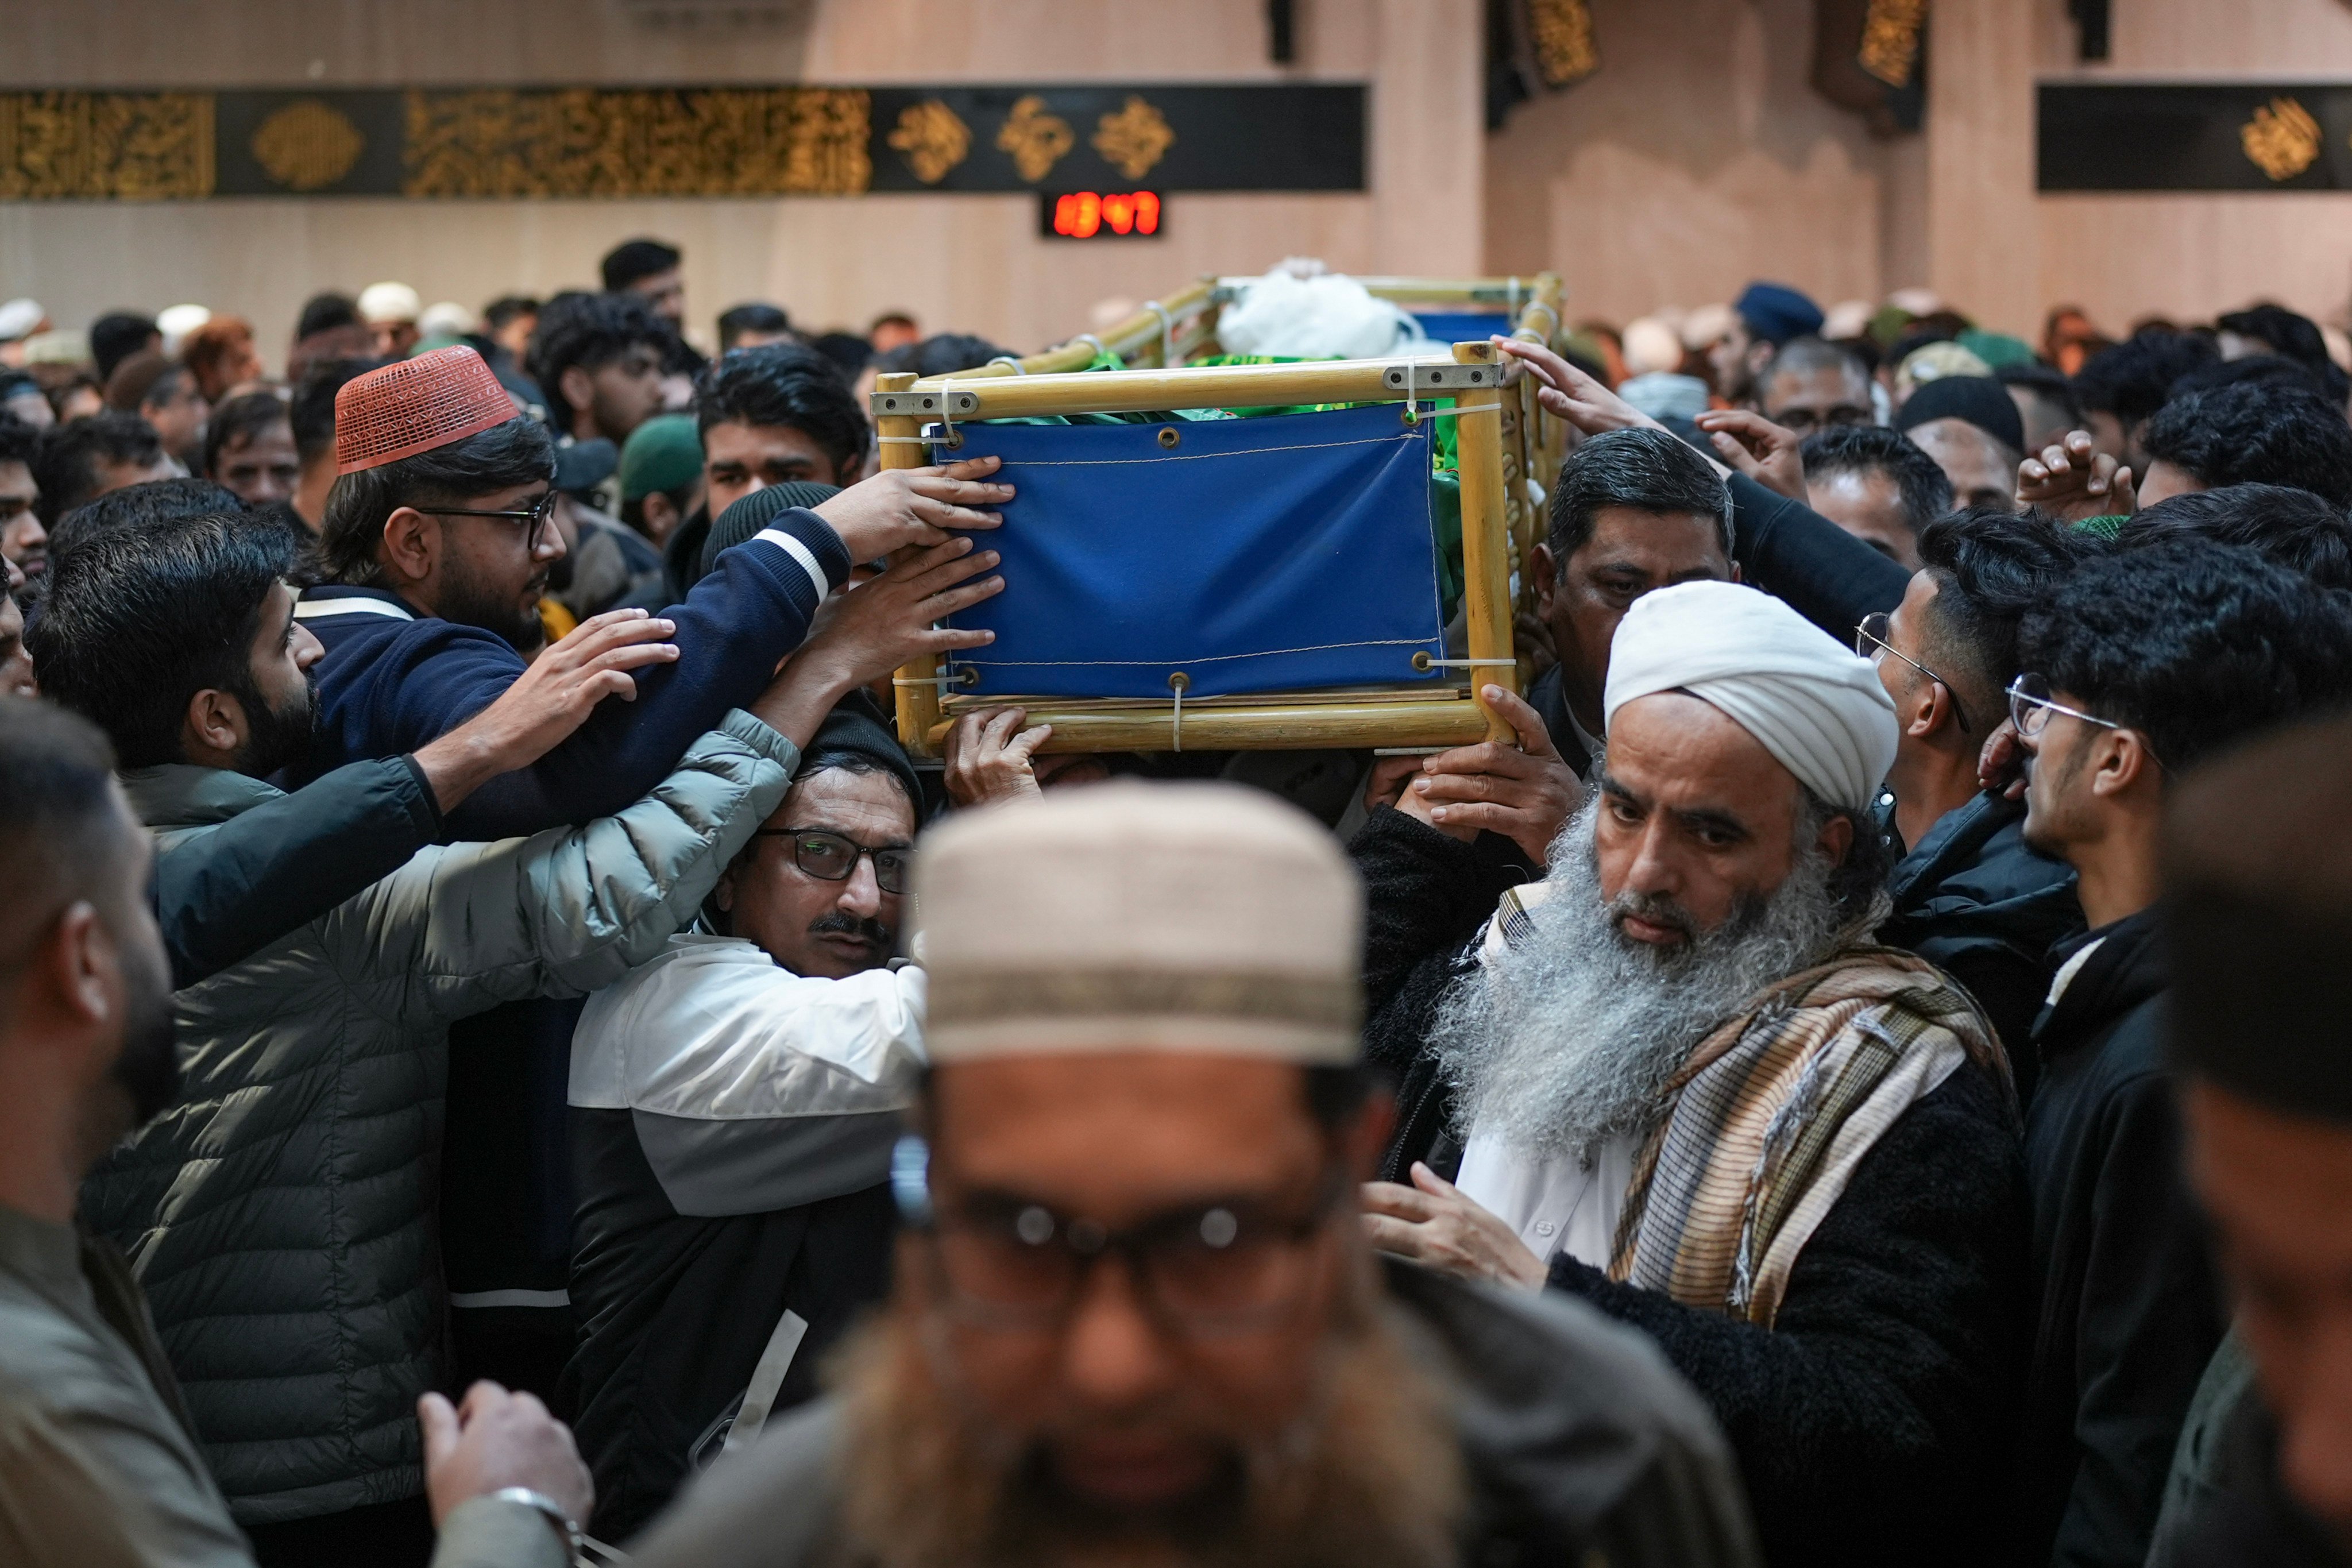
[1974, 901]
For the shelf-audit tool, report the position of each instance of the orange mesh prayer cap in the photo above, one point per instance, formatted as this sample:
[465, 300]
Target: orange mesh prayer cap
[414, 405]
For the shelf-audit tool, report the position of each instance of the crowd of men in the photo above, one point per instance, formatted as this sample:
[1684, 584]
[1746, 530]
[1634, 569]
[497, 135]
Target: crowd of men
[1855, 1082]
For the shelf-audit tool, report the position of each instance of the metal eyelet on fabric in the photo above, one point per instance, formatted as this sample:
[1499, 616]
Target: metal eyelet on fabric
[1169, 436]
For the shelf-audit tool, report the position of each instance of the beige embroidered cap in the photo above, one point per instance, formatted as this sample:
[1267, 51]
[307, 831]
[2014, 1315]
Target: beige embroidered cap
[1133, 917]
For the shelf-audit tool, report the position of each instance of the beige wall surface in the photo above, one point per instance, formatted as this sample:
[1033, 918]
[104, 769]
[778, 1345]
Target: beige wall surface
[1696, 158]
[964, 263]
[2190, 256]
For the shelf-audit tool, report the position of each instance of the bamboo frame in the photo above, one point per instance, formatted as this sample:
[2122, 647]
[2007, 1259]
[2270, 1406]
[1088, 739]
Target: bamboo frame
[1191, 311]
[1454, 714]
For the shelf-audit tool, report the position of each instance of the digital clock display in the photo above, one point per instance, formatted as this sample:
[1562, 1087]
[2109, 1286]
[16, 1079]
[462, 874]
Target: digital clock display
[1101, 215]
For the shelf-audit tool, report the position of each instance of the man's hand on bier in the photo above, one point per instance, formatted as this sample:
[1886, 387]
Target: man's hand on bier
[899, 507]
[1567, 393]
[989, 756]
[1526, 793]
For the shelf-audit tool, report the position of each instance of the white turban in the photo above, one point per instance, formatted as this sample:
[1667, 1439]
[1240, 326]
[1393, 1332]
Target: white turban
[1816, 706]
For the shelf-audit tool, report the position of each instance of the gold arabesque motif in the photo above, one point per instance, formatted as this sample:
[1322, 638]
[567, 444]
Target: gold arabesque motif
[308, 145]
[1561, 31]
[136, 146]
[1036, 139]
[933, 139]
[2281, 138]
[586, 142]
[1134, 139]
[1890, 38]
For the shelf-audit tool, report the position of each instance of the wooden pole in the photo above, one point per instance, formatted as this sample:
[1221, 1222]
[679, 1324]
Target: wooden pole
[1271, 725]
[1137, 337]
[918, 705]
[1485, 538]
[1199, 386]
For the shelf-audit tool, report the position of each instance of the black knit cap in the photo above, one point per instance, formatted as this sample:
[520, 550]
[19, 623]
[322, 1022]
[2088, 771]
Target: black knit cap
[756, 511]
[855, 733]
[2258, 921]
[1977, 399]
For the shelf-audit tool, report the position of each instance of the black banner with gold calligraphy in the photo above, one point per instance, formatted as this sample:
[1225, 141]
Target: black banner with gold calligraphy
[677, 141]
[2242, 136]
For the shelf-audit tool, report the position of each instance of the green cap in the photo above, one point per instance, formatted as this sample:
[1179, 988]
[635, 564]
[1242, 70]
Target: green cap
[663, 453]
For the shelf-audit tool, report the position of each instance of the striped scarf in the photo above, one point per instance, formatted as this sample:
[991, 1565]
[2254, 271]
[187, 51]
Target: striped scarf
[1772, 1112]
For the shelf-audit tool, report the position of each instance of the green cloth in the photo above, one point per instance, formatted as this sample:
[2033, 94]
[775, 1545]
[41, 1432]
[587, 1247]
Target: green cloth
[2106, 526]
[1998, 349]
[665, 453]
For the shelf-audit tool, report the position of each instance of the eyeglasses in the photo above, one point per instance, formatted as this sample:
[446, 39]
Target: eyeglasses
[1869, 642]
[1802, 421]
[1218, 1269]
[830, 858]
[534, 522]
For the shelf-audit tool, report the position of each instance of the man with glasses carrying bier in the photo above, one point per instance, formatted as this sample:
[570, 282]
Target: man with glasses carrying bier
[734, 1102]
[2139, 665]
[1134, 1315]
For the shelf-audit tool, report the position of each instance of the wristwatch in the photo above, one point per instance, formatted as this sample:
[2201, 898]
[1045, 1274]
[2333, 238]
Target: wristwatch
[566, 1528]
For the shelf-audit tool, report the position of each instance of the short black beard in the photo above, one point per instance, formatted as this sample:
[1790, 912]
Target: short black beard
[278, 738]
[465, 601]
[148, 1069]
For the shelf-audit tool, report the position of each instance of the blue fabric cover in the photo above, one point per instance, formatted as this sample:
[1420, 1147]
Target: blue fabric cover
[1270, 555]
[1462, 327]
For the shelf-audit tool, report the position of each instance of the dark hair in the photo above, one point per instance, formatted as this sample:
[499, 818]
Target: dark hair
[2195, 644]
[2266, 370]
[1857, 880]
[325, 312]
[941, 355]
[2133, 379]
[2294, 337]
[311, 411]
[2279, 523]
[67, 470]
[632, 260]
[115, 337]
[1646, 470]
[62, 831]
[241, 418]
[1799, 357]
[2045, 382]
[150, 505]
[506, 308]
[518, 452]
[787, 386]
[849, 353]
[752, 318]
[138, 620]
[20, 440]
[590, 330]
[1925, 491]
[1990, 567]
[2256, 434]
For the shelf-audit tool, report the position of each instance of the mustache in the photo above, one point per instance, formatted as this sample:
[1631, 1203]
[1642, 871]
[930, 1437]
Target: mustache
[835, 923]
[1658, 909]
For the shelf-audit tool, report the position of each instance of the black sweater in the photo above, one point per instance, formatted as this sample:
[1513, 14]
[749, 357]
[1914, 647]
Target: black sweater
[1868, 1419]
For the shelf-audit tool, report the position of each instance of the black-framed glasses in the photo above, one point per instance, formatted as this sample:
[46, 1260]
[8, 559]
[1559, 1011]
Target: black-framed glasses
[1870, 641]
[831, 858]
[534, 522]
[1201, 1270]
[1805, 421]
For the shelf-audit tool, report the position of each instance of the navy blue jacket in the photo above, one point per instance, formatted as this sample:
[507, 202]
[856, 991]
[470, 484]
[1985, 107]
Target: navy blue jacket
[394, 680]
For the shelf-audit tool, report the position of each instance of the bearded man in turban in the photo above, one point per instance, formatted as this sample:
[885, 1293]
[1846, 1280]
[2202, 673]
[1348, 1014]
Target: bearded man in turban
[1690, 1089]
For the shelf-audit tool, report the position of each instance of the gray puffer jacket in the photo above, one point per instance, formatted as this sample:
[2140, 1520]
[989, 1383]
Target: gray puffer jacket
[280, 1216]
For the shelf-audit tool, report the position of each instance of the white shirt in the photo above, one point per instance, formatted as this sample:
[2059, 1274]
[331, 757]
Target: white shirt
[1556, 1204]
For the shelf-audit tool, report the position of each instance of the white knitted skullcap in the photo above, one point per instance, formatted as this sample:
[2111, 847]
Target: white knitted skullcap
[1132, 917]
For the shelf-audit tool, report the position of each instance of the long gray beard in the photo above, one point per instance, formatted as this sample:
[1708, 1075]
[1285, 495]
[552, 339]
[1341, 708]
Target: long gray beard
[1571, 1037]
